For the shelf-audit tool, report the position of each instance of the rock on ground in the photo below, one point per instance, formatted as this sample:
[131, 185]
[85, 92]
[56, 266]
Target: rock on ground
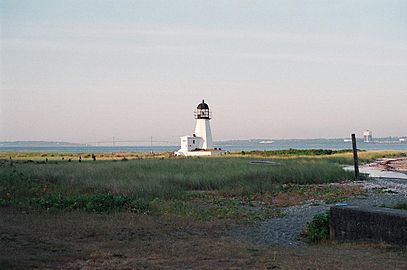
[285, 231]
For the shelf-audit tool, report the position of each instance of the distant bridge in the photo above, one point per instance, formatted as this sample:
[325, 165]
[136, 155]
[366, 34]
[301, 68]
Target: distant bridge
[115, 140]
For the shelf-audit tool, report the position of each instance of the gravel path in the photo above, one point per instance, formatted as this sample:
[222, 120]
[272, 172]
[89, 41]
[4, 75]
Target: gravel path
[285, 230]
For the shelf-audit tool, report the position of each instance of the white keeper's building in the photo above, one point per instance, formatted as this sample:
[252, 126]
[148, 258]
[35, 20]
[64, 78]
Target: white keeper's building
[200, 143]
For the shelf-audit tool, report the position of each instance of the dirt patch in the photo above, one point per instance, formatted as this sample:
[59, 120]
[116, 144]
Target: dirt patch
[129, 241]
[302, 194]
[391, 164]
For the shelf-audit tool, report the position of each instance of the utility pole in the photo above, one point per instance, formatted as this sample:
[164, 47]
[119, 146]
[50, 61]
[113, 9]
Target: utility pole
[113, 142]
[151, 144]
[355, 156]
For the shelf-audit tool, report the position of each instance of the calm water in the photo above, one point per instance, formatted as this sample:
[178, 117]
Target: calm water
[377, 173]
[228, 146]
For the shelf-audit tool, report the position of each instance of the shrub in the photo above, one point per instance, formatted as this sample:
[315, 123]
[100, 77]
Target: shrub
[402, 206]
[90, 203]
[318, 229]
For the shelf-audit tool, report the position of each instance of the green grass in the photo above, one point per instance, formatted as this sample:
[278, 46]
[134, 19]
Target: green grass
[150, 178]
[137, 185]
[402, 206]
[209, 207]
[201, 188]
[90, 202]
[318, 229]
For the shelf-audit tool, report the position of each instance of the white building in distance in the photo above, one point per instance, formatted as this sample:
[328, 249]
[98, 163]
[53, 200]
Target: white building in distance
[367, 136]
[200, 143]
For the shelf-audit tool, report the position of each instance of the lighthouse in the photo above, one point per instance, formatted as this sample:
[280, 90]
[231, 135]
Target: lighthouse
[203, 128]
[200, 143]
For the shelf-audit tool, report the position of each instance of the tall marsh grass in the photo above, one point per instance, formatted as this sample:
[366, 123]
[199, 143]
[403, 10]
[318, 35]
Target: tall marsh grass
[132, 184]
[151, 178]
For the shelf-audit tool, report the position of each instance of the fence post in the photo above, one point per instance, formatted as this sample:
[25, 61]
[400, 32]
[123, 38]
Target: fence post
[355, 156]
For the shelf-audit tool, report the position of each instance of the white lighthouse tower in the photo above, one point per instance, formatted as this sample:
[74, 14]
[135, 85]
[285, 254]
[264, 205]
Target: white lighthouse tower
[203, 129]
[200, 143]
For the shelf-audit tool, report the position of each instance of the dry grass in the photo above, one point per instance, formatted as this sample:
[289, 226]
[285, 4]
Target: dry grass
[315, 193]
[368, 156]
[365, 156]
[291, 194]
[59, 156]
[127, 241]
[342, 157]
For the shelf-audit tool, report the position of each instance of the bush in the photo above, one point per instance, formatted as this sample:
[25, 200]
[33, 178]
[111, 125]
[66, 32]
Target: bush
[402, 206]
[318, 229]
[91, 203]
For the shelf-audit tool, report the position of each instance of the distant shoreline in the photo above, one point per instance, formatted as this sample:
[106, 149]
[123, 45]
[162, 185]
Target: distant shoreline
[230, 148]
[225, 143]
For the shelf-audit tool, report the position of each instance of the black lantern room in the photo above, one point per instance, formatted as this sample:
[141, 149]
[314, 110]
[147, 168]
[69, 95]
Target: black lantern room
[202, 111]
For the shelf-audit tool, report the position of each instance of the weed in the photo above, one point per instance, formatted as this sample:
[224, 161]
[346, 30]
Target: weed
[90, 203]
[402, 206]
[318, 229]
[207, 207]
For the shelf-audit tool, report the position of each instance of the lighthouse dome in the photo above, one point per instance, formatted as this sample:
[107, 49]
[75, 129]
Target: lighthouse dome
[203, 106]
[202, 111]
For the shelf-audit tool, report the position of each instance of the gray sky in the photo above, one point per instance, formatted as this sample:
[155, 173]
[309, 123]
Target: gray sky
[88, 70]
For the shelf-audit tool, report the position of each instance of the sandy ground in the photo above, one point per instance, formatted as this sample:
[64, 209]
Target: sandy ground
[391, 164]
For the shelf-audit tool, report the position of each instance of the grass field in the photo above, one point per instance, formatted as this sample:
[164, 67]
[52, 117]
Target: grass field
[135, 210]
[338, 156]
[143, 185]
[203, 188]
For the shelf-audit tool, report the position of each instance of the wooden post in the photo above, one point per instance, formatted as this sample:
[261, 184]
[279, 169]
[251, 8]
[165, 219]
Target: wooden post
[355, 156]
[151, 145]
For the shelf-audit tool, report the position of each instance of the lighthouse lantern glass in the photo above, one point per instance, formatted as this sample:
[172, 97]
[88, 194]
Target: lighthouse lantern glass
[202, 111]
[202, 114]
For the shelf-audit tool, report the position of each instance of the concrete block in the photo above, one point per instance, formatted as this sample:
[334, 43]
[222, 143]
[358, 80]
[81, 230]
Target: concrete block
[352, 223]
